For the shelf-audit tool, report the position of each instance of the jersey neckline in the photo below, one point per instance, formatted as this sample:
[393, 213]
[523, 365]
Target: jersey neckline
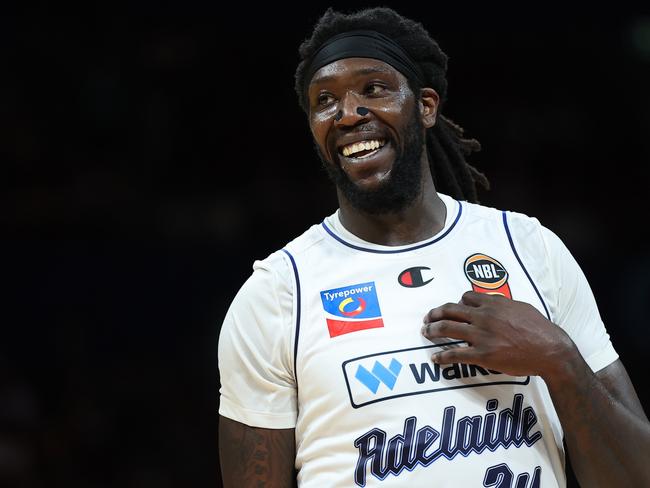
[332, 225]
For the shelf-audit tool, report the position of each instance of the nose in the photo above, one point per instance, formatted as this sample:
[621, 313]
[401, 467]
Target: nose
[350, 112]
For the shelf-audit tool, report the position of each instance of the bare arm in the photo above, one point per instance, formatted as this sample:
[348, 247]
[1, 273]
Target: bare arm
[606, 430]
[607, 433]
[252, 457]
[255, 457]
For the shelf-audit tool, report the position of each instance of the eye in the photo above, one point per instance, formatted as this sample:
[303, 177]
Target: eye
[374, 89]
[324, 99]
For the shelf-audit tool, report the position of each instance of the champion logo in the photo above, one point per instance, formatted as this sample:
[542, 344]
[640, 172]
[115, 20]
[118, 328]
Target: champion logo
[415, 277]
[379, 374]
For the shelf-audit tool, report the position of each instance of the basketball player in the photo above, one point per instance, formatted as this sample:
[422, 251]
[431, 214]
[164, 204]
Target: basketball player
[415, 338]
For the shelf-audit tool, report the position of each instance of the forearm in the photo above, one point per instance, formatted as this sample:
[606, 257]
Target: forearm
[253, 457]
[609, 443]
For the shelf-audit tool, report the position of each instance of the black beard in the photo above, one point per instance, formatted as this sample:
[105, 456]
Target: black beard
[399, 190]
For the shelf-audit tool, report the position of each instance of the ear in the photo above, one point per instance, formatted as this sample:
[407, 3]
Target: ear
[429, 101]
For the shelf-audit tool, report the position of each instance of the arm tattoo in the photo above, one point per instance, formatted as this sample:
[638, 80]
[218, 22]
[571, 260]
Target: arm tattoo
[254, 457]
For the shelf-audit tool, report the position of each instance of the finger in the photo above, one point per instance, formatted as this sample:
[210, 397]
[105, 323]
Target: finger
[474, 299]
[466, 355]
[449, 311]
[448, 329]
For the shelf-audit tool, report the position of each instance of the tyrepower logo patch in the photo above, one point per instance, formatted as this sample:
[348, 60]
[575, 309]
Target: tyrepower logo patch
[351, 308]
[487, 275]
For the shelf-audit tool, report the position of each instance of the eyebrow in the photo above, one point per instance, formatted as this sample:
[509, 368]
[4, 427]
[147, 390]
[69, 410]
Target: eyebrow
[361, 71]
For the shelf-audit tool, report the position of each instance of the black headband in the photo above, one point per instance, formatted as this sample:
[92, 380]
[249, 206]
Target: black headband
[364, 44]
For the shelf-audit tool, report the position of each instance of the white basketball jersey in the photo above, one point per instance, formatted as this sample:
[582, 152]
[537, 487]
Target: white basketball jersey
[370, 407]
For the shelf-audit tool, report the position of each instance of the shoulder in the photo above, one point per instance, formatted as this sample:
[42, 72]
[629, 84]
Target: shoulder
[276, 269]
[263, 304]
[272, 268]
[528, 237]
[304, 242]
[515, 223]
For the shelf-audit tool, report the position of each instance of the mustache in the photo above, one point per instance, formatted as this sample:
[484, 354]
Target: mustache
[396, 193]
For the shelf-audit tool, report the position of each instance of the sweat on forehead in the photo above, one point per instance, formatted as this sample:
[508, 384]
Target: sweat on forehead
[363, 44]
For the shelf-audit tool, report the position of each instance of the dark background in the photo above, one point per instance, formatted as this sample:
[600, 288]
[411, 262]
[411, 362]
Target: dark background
[151, 153]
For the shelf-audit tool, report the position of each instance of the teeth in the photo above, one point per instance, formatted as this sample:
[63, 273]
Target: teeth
[361, 146]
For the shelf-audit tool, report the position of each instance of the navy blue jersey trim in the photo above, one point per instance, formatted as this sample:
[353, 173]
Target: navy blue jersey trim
[388, 251]
[295, 345]
[512, 245]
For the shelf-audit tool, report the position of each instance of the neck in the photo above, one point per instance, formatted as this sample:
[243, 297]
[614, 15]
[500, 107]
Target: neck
[424, 218]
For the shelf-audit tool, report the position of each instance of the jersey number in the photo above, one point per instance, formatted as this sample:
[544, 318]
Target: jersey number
[500, 476]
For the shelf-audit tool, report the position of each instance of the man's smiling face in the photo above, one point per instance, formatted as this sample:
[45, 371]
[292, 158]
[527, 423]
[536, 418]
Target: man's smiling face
[374, 157]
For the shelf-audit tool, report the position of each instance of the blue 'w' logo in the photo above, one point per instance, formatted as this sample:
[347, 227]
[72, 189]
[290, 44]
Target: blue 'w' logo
[380, 374]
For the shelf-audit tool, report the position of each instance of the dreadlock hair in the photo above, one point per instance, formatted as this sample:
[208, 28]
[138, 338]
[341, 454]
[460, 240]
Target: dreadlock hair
[446, 146]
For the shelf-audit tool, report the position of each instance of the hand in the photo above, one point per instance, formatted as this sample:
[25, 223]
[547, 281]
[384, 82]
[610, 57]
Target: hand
[502, 334]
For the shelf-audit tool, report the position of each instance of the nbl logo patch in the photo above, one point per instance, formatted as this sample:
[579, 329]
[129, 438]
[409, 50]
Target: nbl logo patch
[351, 308]
[487, 275]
